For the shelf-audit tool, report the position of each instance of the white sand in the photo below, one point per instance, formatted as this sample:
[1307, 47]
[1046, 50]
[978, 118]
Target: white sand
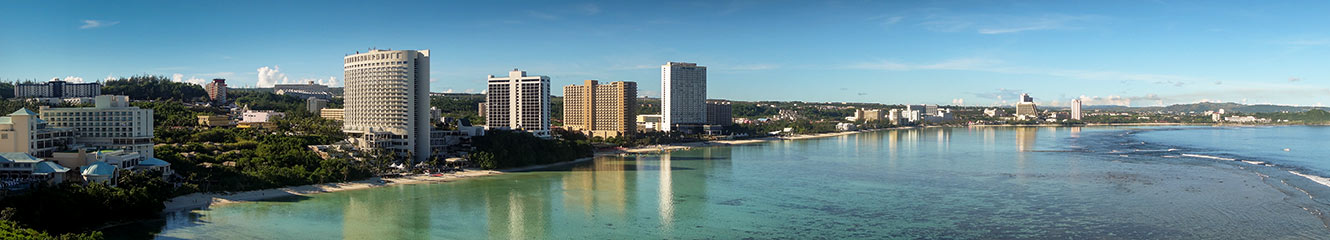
[205, 200]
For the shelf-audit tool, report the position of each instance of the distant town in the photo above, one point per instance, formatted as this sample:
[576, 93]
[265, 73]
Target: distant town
[143, 141]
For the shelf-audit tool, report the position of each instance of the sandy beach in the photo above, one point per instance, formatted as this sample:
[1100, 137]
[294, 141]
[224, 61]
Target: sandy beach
[205, 200]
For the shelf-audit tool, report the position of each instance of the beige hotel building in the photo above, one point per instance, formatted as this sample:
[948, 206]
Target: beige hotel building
[601, 110]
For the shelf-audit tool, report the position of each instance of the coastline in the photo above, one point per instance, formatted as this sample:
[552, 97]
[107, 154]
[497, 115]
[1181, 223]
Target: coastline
[688, 145]
[1092, 125]
[206, 200]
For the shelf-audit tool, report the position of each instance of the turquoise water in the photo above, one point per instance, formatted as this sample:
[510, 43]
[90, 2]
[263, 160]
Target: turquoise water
[1040, 183]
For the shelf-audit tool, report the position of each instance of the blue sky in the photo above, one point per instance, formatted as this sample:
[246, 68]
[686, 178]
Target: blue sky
[950, 52]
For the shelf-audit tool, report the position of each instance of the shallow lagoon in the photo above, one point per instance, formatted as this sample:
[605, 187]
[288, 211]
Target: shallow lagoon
[981, 182]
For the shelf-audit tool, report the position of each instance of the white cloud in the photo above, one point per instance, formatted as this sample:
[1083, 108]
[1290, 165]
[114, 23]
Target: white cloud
[450, 90]
[589, 9]
[330, 81]
[1306, 42]
[946, 21]
[636, 67]
[192, 79]
[1121, 101]
[433, 79]
[270, 76]
[952, 64]
[216, 74]
[751, 67]
[74, 79]
[470, 91]
[542, 15]
[87, 24]
[958, 102]
[1048, 22]
[887, 20]
[996, 66]
[109, 77]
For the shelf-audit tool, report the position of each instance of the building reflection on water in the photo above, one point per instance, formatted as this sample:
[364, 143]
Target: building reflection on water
[609, 190]
[520, 212]
[599, 189]
[1025, 138]
[366, 217]
[681, 191]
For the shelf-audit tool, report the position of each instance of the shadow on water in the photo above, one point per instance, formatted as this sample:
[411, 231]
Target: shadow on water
[285, 199]
[148, 229]
[137, 230]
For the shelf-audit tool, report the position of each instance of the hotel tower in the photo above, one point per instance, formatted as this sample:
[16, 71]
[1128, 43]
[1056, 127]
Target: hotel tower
[387, 102]
[601, 110]
[518, 102]
[683, 94]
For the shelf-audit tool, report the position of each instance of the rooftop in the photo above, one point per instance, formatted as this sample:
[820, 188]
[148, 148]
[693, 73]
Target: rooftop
[23, 112]
[99, 168]
[17, 157]
[154, 162]
[49, 167]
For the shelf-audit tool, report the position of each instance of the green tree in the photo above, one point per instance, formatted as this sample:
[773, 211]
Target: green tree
[154, 88]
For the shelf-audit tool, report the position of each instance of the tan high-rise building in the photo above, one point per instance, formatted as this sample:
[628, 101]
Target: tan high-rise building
[872, 115]
[601, 110]
[1026, 107]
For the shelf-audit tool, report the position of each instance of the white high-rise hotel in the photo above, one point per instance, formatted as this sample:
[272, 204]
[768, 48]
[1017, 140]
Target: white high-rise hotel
[387, 101]
[519, 102]
[1076, 109]
[683, 94]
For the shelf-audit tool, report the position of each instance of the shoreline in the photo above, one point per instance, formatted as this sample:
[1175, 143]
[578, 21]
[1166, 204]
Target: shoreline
[711, 143]
[196, 201]
[206, 200]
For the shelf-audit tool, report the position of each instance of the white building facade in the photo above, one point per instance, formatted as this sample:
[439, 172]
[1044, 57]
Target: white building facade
[57, 88]
[110, 124]
[387, 102]
[259, 116]
[683, 93]
[1076, 109]
[518, 102]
